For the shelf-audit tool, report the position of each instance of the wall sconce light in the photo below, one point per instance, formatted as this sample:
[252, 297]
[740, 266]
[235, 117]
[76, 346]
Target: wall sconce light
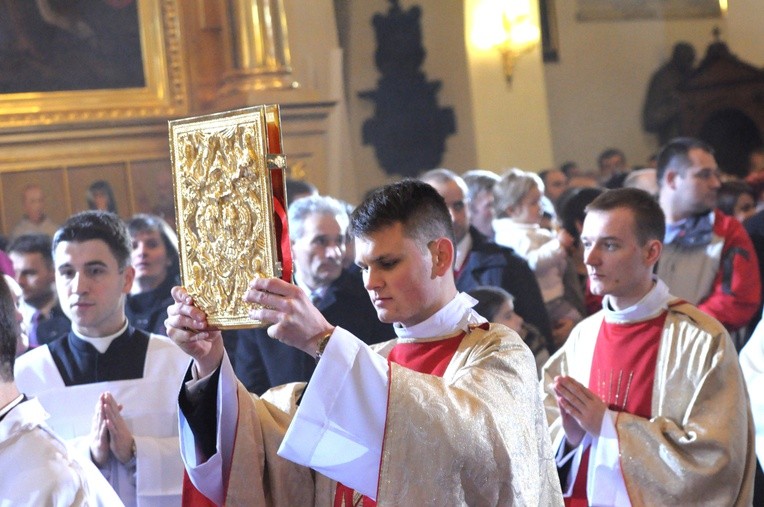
[723, 7]
[508, 27]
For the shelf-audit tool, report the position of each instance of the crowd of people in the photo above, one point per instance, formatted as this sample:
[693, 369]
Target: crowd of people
[485, 338]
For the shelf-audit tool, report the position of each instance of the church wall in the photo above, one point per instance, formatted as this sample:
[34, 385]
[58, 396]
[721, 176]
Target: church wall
[597, 89]
[511, 119]
[442, 32]
[132, 154]
[745, 20]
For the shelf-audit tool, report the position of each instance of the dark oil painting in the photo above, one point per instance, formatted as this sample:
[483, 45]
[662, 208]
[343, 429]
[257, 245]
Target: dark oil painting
[69, 45]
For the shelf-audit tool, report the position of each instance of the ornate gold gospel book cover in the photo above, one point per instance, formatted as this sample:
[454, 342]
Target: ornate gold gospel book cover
[230, 203]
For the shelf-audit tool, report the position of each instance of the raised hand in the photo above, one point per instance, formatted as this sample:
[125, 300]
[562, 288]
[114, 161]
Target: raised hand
[187, 327]
[295, 321]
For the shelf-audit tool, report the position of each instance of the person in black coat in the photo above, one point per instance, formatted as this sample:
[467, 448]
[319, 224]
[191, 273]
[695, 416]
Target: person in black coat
[499, 266]
[317, 229]
[155, 259]
[480, 261]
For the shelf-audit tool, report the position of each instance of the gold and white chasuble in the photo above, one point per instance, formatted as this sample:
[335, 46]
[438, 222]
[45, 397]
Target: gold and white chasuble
[696, 448]
[476, 436]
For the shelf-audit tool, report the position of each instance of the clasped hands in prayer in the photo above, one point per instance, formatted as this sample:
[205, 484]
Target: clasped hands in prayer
[109, 432]
[581, 410]
[286, 308]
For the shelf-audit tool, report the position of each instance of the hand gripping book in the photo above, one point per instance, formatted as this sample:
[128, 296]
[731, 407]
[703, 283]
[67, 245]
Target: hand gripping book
[230, 203]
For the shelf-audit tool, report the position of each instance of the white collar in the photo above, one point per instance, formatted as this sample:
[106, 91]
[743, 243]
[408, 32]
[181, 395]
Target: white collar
[101, 343]
[651, 305]
[455, 316]
[10, 406]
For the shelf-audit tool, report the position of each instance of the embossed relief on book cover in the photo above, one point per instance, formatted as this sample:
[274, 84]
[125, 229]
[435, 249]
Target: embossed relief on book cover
[230, 203]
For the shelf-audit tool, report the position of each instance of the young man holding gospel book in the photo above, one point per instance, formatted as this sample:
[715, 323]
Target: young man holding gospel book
[449, 412]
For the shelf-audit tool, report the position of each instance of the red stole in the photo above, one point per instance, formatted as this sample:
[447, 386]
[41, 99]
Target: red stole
[622, 375]
[430, 357]
[192, 497]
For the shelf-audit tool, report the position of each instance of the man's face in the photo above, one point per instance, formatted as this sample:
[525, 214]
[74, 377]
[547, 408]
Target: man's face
[318, 252]
[398, 276]
[35, 276]
[91, 286]
[696, 187]
[34, 204]
[457, 206]
[617, 264]
[555, 184]
[612, 165]
[482, 212]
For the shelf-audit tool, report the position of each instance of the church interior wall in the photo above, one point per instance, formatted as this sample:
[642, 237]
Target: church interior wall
[552, 112]
[597, 89]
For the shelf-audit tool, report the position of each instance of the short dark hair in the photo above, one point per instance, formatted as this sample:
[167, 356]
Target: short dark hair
[297, 188]
[33, 243]
[571, 207]
[649, 220]
[675, 155]
[568, 167]
[143, 222]
[95, 224]
[609, 153]
[9, 332]
[728, 194]
[490, 299]
[415, 204]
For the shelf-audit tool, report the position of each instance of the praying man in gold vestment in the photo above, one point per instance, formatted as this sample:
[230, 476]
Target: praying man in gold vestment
[449, 413]
[646, 400]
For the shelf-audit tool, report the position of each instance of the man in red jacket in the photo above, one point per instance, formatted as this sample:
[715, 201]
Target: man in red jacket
[708, 258]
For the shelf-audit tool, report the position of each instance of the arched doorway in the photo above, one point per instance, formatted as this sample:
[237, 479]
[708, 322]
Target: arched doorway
[734, 135]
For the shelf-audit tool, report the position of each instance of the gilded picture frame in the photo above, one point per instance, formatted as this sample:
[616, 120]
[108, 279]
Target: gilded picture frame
[162, 95]
[627, 10]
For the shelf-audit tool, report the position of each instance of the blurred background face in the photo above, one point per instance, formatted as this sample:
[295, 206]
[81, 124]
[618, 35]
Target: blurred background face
[482, 212]
[506, 315]
[745, 207]
[528, 210]
[101, 201]
[34, 204]
[555, 183]
[22, 341]
[319, 252]
[34, 276]
[150, 260]
[457, 206]
[612, 165]
[697, 185]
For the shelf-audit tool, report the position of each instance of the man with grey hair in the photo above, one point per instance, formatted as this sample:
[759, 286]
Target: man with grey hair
[480, 199]
[480, 261]
[318, 233]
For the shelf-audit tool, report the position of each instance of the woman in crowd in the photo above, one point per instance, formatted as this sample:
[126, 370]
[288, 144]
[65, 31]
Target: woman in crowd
[155, 259]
